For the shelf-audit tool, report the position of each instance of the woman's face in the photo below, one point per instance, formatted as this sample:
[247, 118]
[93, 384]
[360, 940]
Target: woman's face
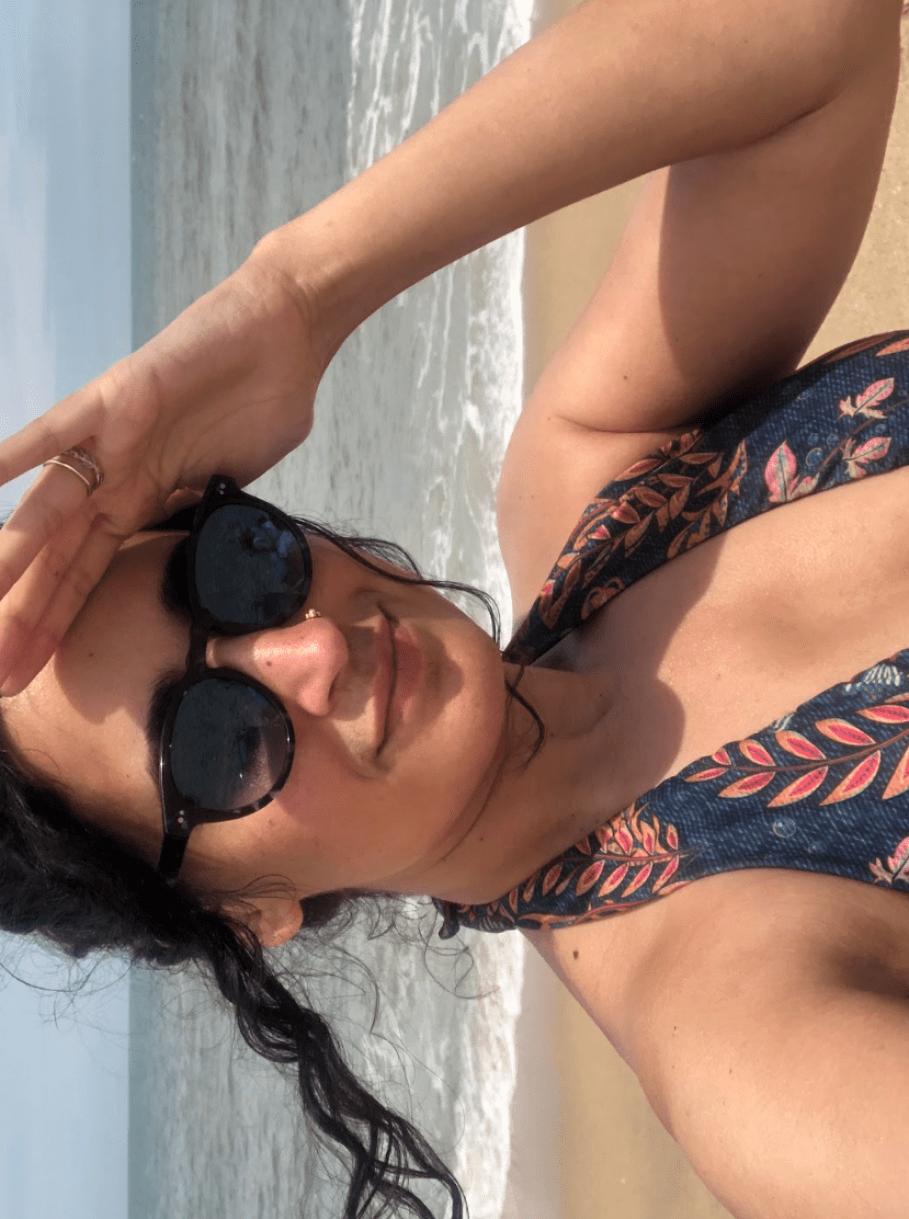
[397, 701]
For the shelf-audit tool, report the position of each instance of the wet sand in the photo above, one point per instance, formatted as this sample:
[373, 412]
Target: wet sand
[614, 1159]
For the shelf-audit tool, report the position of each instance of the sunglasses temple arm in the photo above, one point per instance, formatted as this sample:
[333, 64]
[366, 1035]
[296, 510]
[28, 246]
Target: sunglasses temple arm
[171, 857]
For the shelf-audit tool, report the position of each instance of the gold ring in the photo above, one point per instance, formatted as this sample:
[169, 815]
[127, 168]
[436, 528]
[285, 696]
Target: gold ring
[83, 465]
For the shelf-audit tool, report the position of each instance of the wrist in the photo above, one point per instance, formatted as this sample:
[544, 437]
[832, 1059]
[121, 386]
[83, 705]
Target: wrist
[306, 264]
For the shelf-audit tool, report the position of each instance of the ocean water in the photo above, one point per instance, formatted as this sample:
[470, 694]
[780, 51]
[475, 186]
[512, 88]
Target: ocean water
[244, 113]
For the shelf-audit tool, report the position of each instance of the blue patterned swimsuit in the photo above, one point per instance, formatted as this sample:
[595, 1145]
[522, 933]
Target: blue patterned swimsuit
[825, 788]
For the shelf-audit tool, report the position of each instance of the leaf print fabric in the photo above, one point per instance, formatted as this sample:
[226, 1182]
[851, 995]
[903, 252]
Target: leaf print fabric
[825, 788]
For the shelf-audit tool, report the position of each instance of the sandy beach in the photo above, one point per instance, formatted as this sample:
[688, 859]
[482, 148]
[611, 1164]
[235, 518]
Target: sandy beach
[614, 1158]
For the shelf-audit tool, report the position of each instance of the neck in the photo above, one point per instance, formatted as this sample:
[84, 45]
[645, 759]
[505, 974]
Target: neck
[536, 806]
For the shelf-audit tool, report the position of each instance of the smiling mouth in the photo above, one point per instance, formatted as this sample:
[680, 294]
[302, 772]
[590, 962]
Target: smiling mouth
[400, 667]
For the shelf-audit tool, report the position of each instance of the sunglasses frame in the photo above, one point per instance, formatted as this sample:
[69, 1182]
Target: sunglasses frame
[179, 815]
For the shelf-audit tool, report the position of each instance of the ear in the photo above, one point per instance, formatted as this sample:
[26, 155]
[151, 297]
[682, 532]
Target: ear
[272, 920]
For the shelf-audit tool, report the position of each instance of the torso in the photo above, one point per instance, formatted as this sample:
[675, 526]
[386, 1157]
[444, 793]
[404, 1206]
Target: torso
[712, 647]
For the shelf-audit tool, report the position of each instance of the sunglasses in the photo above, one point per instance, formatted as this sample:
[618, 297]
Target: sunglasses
[227, 744]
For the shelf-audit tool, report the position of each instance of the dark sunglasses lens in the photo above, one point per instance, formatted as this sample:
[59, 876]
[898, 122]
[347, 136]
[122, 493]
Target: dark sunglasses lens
[250, 570]
[229, 745]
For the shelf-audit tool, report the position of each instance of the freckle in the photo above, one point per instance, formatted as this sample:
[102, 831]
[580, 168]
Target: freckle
[576, 954]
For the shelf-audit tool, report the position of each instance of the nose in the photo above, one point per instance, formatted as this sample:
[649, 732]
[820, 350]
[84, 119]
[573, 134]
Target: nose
[298, 662]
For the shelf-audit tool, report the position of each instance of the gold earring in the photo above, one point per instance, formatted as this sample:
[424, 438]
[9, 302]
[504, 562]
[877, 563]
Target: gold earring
[312, 613]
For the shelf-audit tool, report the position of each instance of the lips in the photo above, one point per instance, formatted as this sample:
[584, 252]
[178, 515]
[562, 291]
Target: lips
[400, 680]
[408, 671]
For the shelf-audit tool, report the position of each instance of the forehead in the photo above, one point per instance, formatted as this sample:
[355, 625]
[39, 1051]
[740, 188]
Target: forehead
[81, 722]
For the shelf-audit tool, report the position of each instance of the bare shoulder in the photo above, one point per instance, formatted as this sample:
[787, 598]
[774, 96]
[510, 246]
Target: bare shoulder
[727, 267]
[762, 1012]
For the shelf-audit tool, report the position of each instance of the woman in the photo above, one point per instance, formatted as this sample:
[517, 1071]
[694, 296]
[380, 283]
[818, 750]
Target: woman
[419, 767]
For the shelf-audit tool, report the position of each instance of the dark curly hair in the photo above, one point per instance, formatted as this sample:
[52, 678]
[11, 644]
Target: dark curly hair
[70, 883]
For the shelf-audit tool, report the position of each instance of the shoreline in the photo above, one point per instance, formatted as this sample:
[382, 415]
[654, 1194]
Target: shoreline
[610, 1153]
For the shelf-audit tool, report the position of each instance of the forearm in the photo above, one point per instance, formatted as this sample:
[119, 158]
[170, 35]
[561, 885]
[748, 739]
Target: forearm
[616, 89]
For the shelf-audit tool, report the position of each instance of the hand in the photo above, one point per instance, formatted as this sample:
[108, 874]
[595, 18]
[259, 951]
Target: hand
[227, 388]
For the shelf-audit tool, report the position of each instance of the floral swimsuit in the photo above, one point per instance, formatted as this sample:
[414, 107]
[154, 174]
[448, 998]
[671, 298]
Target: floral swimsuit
[825, 788]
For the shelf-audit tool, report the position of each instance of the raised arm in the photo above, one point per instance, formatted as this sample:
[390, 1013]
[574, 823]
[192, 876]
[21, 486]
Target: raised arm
[618, 88]
[722, 277]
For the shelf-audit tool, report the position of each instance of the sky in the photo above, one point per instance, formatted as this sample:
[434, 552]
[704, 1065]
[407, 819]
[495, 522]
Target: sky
[64, 317]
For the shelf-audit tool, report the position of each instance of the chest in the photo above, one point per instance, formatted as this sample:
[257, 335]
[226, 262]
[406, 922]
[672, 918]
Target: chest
[726, 638]
[712, 647]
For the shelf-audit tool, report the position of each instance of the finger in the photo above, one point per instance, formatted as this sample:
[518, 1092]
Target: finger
[26, 604]
[71, 422]
[52, 502]
[45, 603]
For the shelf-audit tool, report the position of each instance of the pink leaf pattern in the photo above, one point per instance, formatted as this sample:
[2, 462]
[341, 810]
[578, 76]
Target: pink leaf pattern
[779, 474]
[856, 781]
[844, 732]
[550, 879]
[648, 497]
[871, 450]
[635, 536]
[666, 874]
[899, 780]
[590, 877]
[626, 513]
[624, 838]
[615, 878]
[864, 759]
[618, 859]
[794, 742]
[703, 775]
[641, 879]
[801, 789]
[614, 525]
[754, 751]
[886, 713]
[896, 867]
[747, 786]
[900, 857]
[875, 394]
